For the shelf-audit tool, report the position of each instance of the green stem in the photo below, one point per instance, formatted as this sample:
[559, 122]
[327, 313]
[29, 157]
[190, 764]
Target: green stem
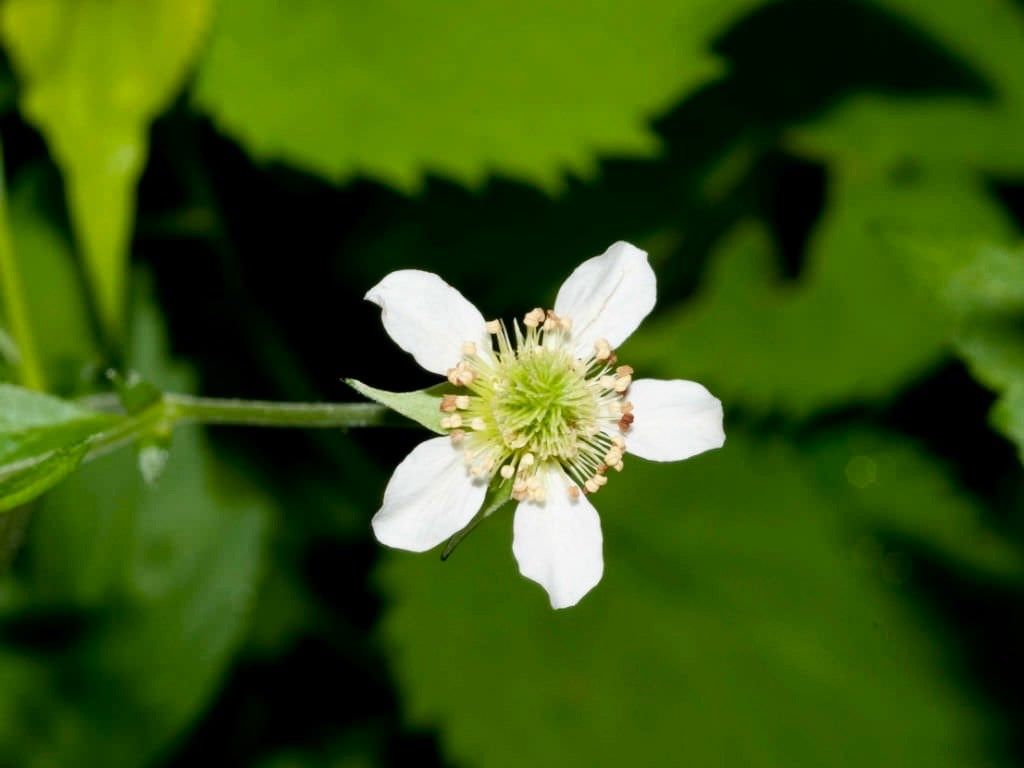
[260, 413]
[29, 367]
[172, 410]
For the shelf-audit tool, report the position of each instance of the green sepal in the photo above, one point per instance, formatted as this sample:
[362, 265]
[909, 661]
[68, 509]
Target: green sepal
[422, 406]
[135, 393]
[498, 495]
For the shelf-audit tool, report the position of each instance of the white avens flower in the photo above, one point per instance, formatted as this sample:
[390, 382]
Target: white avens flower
[544, 406]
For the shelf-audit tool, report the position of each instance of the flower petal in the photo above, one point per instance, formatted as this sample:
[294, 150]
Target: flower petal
[558, 543]
[428, 318]
[429, 498]
[674, 420]
[607, 297]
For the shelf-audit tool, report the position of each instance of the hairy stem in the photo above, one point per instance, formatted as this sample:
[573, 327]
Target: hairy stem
[172, 410]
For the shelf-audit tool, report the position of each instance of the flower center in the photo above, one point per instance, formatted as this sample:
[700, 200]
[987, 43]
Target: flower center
[531, 405]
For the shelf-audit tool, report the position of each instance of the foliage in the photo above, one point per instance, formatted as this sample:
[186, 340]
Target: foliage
[831, 195]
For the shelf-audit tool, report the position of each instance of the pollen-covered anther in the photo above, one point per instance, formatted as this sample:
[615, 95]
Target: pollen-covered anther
[574, 492]
[461, 401]
[602, 350]
[468, 348]
[526, 461]
[477, 424]
[451, 422]
[457, 436]
[626, 407]
[607, 381]
[613, 457]
[507, 471]
[591, 486]
[449, 403]
[519, 490]
[622, 383]
[534, 317]
[618, 466]
[460, 375]
[626, 421]
[493, 327]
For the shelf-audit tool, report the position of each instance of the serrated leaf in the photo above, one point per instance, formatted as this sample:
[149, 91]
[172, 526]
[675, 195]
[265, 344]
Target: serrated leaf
[94, 74]
[527, 89]
[422, 406]
[981, 287]
[855, 327]
[23, 482]
[744, 591]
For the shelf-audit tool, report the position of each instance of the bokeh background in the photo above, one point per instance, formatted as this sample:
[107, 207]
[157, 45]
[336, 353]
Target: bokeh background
[831, 194]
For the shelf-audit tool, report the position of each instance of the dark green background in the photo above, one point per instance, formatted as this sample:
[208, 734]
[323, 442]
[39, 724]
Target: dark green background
[830, 193]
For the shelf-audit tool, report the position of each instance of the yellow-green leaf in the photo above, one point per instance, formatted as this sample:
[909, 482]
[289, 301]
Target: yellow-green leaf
[94, 73]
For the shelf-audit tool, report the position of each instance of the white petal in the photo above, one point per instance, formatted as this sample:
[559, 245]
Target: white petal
[429, 498]
[428, 318]
[558, 543]
[607, 297]
[673, 420]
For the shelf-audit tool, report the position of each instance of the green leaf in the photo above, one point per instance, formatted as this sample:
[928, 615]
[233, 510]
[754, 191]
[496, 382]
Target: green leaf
[744, 591]
[855, 327]
[879, 131]
[33, 424]
[22, 482]
[422, 406]
[57, 305]
[163, 579]
[94, 74]
[528, 90]
[981, 287]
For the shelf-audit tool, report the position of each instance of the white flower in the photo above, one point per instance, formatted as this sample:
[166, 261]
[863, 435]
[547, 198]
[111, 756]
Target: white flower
[545, 407]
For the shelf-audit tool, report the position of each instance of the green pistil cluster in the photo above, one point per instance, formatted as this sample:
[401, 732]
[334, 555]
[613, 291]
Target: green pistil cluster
[533, 406]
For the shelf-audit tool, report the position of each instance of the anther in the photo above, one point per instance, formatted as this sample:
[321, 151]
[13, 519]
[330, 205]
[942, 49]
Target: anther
[460, 375]
[457, 436]
[626, 421]
[602, 350]
[527, 460]
[574, 492]
[477, 423]
[591, 486]
[607, 382]
[493, 327]
[461, 401]
[622, 383]
[507, 470]
[449, 403]
[533, 318]
[624, 370]
[468, 348]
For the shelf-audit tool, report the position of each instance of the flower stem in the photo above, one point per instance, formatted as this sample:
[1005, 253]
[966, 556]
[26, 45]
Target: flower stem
[172, 410]
[260, 413]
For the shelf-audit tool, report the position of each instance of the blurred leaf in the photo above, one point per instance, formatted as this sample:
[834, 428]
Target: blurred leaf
[981, 286]
[57, 305]
[33, 424]
[747, 616]
[395, 91]
[162, 578]
[422, 406]
[856, 326]
[95, 73]
[24, 481]
[875, 131]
